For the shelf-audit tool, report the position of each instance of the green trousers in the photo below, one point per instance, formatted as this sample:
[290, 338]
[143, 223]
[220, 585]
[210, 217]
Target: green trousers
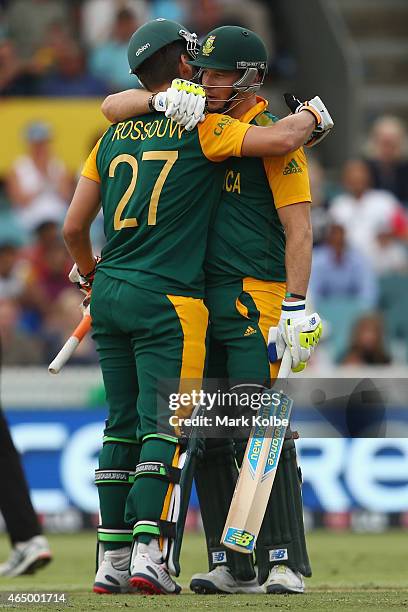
[144, 339]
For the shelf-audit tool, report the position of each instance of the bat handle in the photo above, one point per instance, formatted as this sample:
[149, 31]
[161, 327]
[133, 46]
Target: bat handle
[69, 347]
[286, 364]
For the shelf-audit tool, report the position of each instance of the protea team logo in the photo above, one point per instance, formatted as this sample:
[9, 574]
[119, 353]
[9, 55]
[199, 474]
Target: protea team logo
[208, 46]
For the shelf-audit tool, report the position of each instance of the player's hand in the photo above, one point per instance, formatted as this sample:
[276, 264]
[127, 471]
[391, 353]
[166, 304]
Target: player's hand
[299, 332]
[83, 281]
[324, 122]
[184, 102]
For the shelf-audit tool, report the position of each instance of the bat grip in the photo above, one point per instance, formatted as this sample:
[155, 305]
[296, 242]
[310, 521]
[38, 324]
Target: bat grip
[71, 344]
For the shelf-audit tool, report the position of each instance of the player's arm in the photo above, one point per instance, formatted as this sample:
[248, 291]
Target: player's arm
[280, 138]
[289, 183]
[299, 243]
[125, 104]
[76, 231]
[301, 333]
[183, 102]
[289, 134]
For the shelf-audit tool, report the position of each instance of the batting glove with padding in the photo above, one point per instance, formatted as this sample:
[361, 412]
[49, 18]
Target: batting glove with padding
[83, 281]
[324, 122]
[299, 332]
[184, 102]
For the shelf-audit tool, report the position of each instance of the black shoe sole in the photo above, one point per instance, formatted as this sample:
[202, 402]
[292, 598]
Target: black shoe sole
[204, 587]
[36, 565]
[279, 589]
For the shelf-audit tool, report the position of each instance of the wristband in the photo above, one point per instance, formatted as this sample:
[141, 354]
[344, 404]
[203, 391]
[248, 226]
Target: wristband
[288, 294]
[150, 103]
[91, 274]
[308, 107]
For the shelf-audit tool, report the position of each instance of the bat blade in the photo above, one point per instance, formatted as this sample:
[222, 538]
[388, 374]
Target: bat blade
[257, 474]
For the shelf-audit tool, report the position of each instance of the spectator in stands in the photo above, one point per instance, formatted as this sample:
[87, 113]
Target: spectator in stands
[367, 343]
[16, 285]
[62, 319]
[341, 271]
[389, 255]
[364, 211]
[388, 161]
[56, 38]
[48, 264]
[17, 76]
[38, 184]
[320, 204]
[169, 9]
[109, 60]
[70, 77]
[12, 285]
[19, 347]
[29, 20]
[98, 18]
[205, 15]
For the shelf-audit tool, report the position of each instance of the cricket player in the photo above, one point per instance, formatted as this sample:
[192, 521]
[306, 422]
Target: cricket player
[159, 185]
[257, 272]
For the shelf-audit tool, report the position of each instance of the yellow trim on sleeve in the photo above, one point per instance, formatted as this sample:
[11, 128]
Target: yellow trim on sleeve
[288, 178]
[90, 169]
[221, 137]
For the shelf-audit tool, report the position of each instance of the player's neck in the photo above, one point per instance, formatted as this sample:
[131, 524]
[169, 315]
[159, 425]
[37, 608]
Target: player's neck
[243, 107]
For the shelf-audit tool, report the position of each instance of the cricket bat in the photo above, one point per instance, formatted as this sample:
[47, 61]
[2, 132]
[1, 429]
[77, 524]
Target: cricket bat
[69, 347]
[254, 485]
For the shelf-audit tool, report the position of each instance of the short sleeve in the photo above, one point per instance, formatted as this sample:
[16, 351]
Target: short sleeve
[288, 178]
[90, 169]
[222, 137]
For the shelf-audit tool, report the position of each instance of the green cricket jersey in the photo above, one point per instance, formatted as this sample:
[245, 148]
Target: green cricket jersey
[159, 189]
[247, 238]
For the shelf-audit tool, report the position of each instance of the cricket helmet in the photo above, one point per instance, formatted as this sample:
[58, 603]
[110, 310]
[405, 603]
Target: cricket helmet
[234, 48]
[155, 35]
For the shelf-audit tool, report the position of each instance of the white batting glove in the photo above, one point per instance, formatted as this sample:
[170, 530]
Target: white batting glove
[299, 332]
[83, 282]
[324, 122]
[184, 102]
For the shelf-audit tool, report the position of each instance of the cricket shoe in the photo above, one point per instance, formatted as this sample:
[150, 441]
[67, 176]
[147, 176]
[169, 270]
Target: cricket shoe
[282, 579]
[148, 573]
[113, 573]
[27, 557]
[220, 580]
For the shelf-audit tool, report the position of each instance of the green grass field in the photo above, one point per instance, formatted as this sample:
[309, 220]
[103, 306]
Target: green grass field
[351, 572]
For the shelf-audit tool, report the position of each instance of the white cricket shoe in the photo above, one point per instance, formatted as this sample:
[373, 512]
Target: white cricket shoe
[27, 557]
[220, 580]
[113, 573]
[148, 573]
[282, 579]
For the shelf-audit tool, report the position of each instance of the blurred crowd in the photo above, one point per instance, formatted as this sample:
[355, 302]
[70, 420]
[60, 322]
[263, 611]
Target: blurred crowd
[359, 281]
[61, 48]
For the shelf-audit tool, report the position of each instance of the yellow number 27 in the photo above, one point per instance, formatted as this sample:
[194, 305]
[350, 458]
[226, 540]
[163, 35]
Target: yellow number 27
[169, 157]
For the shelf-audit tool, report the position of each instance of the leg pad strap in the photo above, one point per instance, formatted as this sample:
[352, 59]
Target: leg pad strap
[114, 477]
[159, 470]
[161, 528]
[114, 535]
